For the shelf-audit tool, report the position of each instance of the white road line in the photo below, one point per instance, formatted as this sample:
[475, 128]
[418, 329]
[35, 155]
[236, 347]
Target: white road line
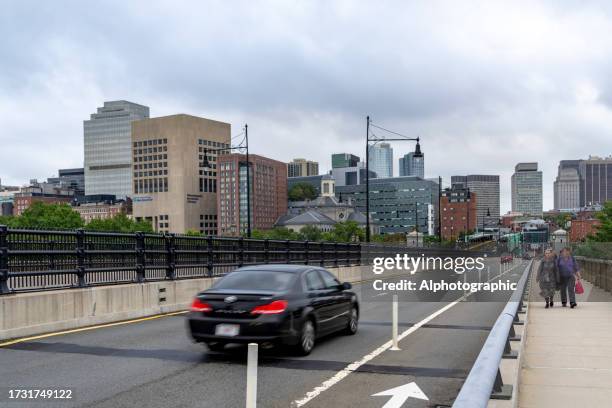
[342, 374]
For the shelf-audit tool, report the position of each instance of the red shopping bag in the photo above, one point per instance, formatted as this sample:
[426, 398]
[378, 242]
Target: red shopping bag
[579, 288]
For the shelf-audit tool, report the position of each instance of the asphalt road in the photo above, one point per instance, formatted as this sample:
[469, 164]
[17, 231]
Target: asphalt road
[155, 364]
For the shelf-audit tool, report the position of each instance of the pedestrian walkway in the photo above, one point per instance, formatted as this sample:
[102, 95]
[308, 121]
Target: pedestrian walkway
[567, 358]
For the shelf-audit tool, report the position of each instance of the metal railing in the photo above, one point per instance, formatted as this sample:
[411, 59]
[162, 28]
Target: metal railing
[32, 260]
[484, 381]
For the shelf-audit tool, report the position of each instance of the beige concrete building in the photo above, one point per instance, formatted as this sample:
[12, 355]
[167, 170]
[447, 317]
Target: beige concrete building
[171, 188]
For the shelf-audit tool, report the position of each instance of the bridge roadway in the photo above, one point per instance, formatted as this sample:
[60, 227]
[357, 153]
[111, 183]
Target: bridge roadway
[154, 363]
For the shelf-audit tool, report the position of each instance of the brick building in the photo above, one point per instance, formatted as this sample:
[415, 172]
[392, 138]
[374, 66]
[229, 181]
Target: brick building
[458, 209]
[582, 228]
[40, 192]
[268, 193]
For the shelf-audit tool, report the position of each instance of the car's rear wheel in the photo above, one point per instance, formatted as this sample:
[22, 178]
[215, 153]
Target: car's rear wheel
[215, 345]
[353, 323]
[307, 338]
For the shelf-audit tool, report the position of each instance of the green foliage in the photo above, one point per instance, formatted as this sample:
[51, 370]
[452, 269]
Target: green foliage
[48, 216]
[193, 233]
[347, 231]
[604, 231]
[119, 223]
[302, 191]
[310, 233]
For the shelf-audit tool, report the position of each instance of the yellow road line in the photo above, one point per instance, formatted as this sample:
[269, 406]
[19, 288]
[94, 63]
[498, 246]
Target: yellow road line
[82, 329]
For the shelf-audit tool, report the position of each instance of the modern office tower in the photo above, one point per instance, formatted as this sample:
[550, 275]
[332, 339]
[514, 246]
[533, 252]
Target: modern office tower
[268, 182]
[350, 176]
[70, 178]
[567, 188]
[381, 159]
[397, 204]
[108, 153]
[412, 166]
[340, 160]
[175, 188]
[486, 188]
[597, 179]
[458, 211]
[527, 189]
[302, 168]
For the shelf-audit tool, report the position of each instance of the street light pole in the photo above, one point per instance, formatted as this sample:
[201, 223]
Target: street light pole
[248, 175]
[367, 176]
[417, 154]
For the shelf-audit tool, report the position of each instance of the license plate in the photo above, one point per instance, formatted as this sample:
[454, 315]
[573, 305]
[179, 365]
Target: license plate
[228, 330]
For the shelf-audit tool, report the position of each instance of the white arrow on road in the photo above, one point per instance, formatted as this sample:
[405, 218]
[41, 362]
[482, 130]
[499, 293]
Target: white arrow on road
[400, 394]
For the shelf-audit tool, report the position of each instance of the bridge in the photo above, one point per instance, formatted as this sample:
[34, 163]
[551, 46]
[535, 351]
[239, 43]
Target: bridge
[102, 316]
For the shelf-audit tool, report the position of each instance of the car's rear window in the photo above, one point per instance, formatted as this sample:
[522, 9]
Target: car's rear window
[256, 280]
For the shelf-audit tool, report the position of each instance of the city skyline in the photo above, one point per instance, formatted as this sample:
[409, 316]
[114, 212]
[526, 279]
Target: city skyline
[528, 97]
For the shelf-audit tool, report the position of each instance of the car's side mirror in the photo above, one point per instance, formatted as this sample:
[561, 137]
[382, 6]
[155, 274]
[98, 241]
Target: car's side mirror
[345, 286]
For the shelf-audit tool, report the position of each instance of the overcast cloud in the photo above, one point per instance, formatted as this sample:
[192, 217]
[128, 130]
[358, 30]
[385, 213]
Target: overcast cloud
[484, 84]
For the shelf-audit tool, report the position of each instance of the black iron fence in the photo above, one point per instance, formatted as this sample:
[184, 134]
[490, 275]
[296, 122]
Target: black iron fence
[33, 260]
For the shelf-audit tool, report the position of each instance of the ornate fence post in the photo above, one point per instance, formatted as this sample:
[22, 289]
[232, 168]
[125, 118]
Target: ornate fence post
[209, 246]
[80, 251]
[170, 256]
[4, 259]
[140, 257]
[288, 252]
[266, 251]
[240, 252]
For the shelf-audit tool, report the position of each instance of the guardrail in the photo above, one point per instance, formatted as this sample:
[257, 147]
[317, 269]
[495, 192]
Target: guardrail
[32, 260]
[597, 271]
[484, 381]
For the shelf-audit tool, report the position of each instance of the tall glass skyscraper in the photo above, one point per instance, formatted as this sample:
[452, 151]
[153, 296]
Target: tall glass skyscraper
[527, 189]
[412, 166]
[108, 148]
[381, 160]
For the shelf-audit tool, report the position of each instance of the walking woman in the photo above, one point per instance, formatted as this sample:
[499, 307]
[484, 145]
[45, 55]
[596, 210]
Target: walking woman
[548, 277]
[569, 270]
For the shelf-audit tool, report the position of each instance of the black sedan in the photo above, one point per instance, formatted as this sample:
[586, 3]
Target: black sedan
[273, 304]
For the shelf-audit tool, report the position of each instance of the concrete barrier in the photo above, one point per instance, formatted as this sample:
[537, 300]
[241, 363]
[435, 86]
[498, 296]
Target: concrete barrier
[27, 314]
[597, 271]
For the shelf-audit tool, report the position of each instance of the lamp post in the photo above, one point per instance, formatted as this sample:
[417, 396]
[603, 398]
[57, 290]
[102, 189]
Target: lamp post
[243, 145]
[417, 154]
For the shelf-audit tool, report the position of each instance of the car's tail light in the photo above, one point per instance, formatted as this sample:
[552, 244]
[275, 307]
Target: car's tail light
[199, 306]
[278, 306]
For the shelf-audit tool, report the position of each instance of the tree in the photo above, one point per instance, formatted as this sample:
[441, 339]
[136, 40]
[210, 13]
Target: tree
[119, 223]
[310, 233]
[282, 233]
[604, 231]
[347, 231]
[193, 233]
[48, 216]
[302, 191]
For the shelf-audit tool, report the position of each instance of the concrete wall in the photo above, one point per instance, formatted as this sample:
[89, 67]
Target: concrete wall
[27, 314]
[597, 271]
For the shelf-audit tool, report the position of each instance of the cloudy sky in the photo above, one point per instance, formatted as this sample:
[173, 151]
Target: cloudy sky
[484, 84]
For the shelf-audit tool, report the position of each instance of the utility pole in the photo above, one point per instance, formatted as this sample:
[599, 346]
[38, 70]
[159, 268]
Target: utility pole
[248, 175]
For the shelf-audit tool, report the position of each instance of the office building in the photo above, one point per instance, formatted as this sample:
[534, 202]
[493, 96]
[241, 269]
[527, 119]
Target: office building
[350, 176]
[597, 180]
[101, 207]
[172, 188]
[70, 178]
[458, 212]
[108, 153]
[486, 188]
[567, 188]
[268, 181]
[409, 165]
[302, 167]
[398, 204]
[40, 192]
[381, 159]
[317, 182]
[527, 189]
[340, 160]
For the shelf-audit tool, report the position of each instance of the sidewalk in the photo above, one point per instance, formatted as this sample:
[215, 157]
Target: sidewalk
[568, 353]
